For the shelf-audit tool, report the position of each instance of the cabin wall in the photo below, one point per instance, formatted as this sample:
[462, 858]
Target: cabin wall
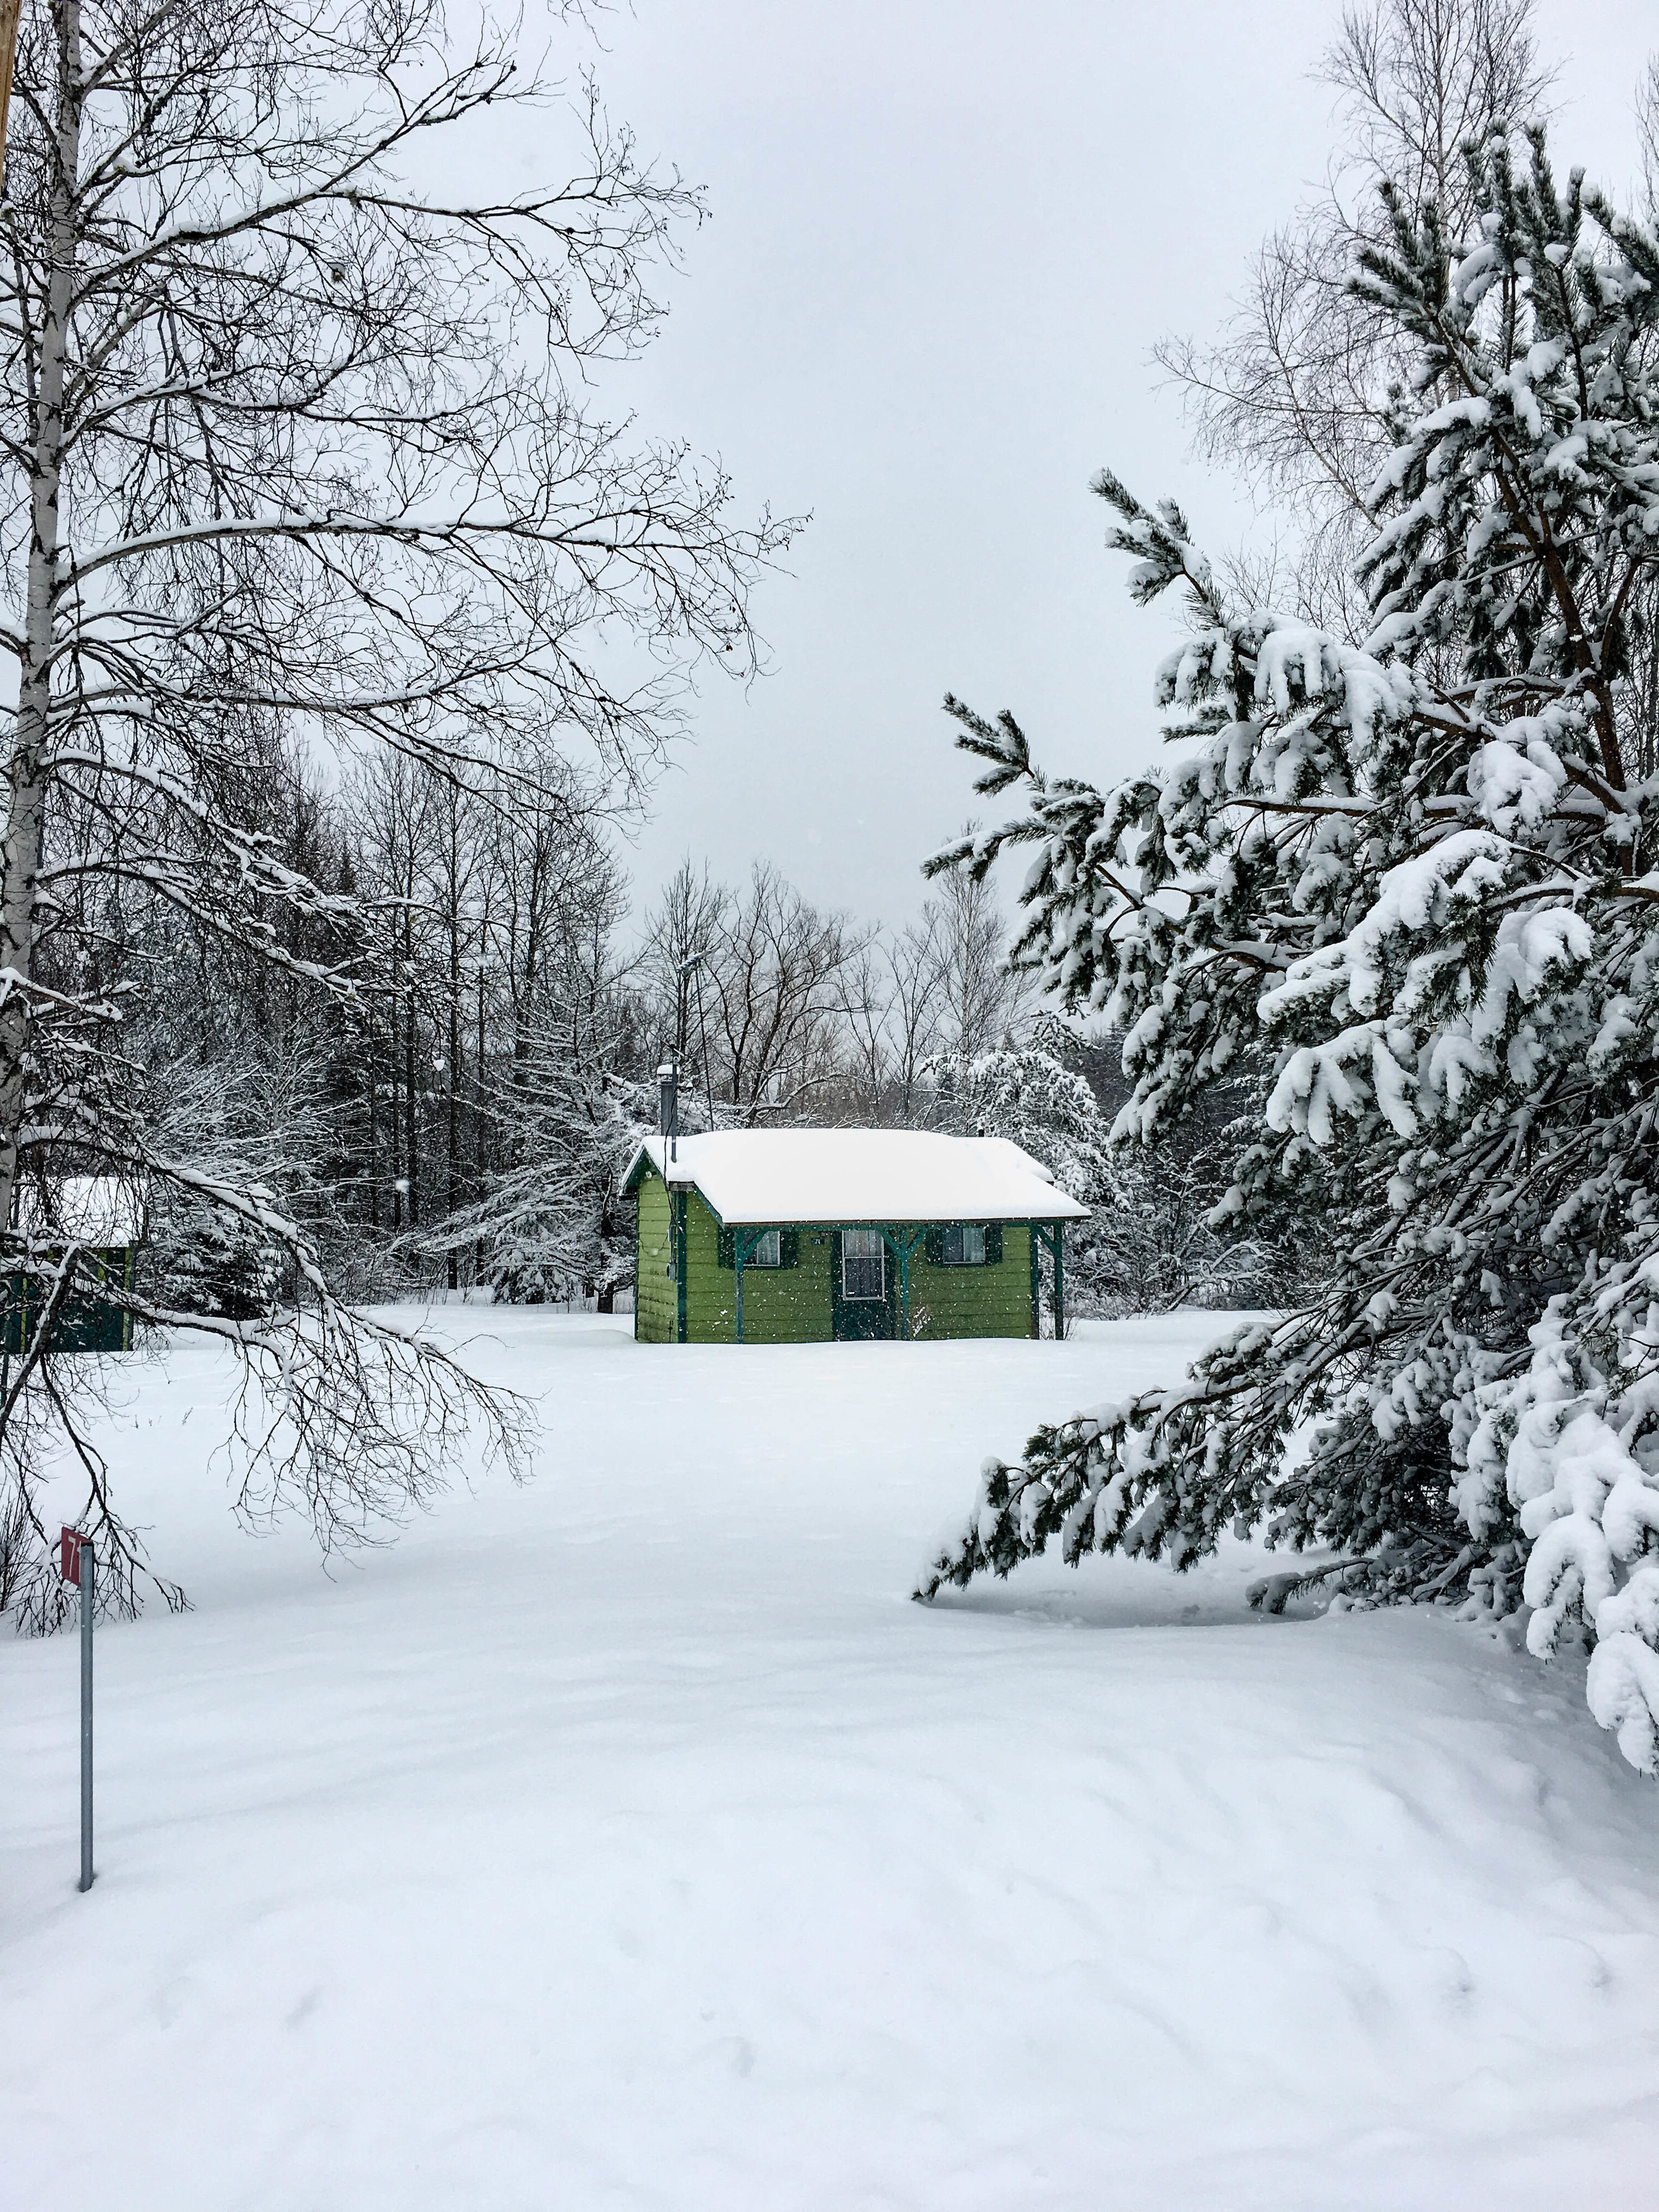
[780, 1306]
[86, 1323]
[988, 1300]
[793, 1305]
[654, 1296]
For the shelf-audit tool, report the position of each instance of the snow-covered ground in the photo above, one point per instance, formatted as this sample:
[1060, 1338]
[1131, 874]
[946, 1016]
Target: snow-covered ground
[630, 1839]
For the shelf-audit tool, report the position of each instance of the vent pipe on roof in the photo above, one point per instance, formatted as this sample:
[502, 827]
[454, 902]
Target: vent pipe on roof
[668, 1105]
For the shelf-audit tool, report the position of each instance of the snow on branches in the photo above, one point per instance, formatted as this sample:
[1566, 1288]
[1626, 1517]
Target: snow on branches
[1415, 880]
[302, 466]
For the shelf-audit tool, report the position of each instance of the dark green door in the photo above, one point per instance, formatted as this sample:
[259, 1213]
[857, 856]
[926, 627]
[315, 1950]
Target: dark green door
[863, 1292]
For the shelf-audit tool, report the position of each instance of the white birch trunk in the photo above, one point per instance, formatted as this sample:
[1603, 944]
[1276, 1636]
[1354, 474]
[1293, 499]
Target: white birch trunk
[29, 769]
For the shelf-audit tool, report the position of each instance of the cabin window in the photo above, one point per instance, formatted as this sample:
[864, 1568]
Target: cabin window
[963, 1245]
[863, 1264]
[764, 1248]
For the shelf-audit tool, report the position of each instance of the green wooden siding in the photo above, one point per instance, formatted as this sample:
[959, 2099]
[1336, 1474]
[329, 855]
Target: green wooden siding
[85, 1324]
[988, 1301]
[654, 1266]
[780, 1306]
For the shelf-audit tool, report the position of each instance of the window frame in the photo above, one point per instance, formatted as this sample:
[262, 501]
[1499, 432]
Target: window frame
[755, 1258]
[877, 1251]
[961, 1230]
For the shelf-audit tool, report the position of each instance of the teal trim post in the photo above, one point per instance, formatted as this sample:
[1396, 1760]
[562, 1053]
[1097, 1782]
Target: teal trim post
[1053, 1234]
[743, 1243]
[677, 1217]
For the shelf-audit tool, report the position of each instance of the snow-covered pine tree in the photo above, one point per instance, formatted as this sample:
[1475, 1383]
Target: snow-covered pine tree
[1418, 875]
[550, 1225]
[1023, 1092]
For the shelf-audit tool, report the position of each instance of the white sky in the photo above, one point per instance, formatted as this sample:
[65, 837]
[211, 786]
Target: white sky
[946, 236]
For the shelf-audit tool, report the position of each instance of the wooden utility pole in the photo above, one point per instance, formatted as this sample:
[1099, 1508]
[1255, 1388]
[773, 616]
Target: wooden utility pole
[9, 11]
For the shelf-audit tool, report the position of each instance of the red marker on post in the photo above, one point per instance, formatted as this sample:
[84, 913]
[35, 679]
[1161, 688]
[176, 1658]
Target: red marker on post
[78, 1566]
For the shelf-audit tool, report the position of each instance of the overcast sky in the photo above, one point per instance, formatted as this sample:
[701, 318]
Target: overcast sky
[946, 235]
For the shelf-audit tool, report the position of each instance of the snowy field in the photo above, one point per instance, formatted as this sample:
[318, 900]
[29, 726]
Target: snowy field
[630, 1839]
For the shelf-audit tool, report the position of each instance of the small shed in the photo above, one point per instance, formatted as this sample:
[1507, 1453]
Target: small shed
[104, 1217]
[811, 1236]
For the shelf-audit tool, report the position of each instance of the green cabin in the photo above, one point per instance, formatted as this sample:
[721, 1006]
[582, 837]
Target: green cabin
[820, 1236]
[102, 1218]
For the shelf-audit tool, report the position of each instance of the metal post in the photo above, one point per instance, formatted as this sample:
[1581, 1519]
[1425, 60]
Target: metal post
[88, 1599]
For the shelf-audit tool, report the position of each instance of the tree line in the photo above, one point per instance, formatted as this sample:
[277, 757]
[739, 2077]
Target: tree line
[312, 508]
[462, 1126]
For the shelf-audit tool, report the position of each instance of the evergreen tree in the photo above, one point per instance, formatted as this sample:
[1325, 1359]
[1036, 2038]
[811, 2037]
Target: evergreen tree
[1023, 1093]
[551, 1226]
[1418, 879]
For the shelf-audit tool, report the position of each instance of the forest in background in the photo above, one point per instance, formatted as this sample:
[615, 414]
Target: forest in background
[462, 1129]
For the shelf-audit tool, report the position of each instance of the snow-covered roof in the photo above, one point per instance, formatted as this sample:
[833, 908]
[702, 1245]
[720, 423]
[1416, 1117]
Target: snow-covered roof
[859, 1174]
[101, 1211]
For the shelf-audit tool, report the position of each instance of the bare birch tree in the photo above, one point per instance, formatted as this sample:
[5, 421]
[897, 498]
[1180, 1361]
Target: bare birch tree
[298, 452]
[1293, 393]
[980, 1000]
[756, 983]
[938, 990]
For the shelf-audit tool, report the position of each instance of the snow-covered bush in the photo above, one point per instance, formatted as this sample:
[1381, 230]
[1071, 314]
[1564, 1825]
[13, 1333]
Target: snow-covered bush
[1153, 1245]
[1418, 877]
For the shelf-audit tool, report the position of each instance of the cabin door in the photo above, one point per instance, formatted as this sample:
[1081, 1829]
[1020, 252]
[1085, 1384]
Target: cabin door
[862, 1286]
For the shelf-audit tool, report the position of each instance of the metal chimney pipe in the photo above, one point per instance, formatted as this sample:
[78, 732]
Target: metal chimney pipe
[668, 1100]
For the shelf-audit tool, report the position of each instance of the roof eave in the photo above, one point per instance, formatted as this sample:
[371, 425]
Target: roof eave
[643, 1159]
[1039, 1216]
